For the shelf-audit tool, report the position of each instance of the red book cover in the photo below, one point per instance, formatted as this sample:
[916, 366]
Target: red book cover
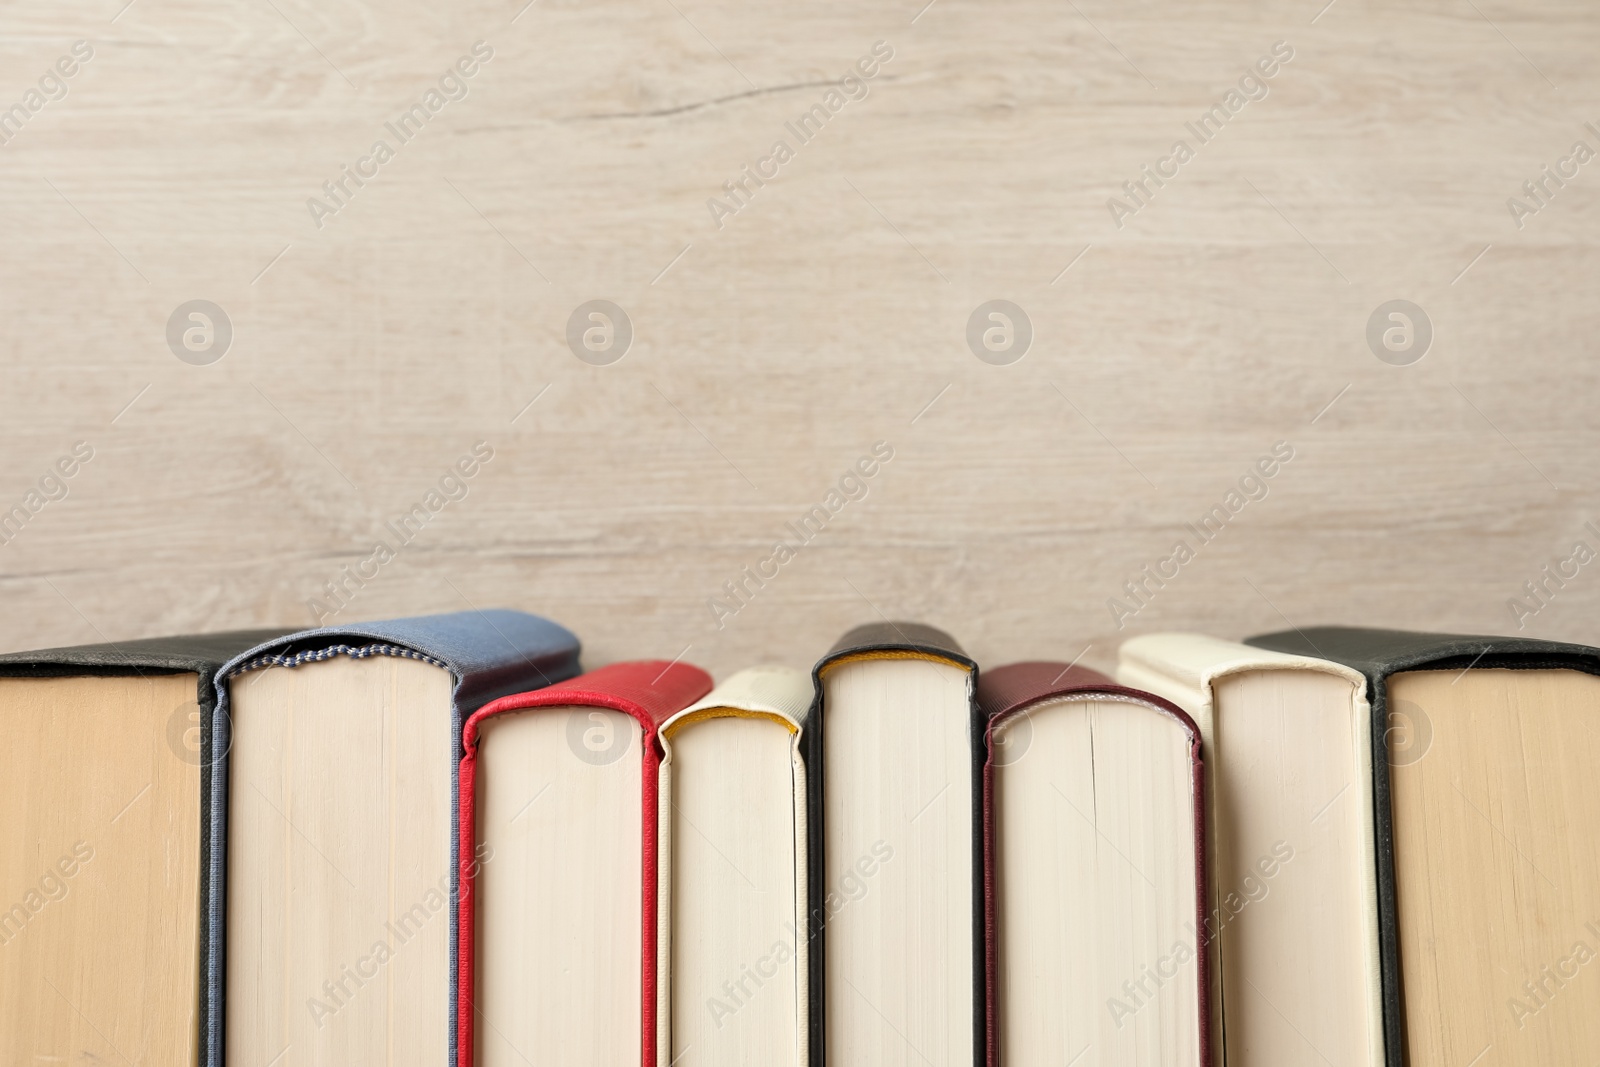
[1011, 690]
[649, 691]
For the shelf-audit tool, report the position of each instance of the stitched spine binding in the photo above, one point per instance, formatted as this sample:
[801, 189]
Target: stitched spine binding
[316, 655]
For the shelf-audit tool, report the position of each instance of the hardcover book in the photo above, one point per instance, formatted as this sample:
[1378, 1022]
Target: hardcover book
[1484, 807]
[732, 960]
[104, 853]
[334, 827]
[1095, 869]
[559, 851]
[894, 762]
[1293, 912]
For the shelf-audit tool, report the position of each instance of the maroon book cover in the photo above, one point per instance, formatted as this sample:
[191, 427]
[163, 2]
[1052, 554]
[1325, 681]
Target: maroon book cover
[1004, 692]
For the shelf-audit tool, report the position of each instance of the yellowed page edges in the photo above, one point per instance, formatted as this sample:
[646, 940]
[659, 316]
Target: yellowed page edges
[889, 653]
[678, 722]
[775, 690]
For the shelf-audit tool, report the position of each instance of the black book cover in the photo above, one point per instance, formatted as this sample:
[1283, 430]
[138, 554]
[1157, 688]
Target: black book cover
[199, 654]
[1377, 654]
[922, 640]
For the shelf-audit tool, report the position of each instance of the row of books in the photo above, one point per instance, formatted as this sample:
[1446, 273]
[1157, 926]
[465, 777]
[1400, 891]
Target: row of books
[436, 841]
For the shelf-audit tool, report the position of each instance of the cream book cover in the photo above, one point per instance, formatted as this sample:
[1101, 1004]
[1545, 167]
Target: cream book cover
[732, 957]
[1293, 914]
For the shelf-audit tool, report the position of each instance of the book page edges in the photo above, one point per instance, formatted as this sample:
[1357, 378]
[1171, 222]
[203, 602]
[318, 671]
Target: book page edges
[777, 684]
[1184, 668]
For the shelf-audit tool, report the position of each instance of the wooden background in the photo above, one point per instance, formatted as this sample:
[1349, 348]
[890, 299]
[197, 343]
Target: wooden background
[769, 354]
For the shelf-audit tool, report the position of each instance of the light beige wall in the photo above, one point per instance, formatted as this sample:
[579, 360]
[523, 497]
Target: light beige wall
[424, 316]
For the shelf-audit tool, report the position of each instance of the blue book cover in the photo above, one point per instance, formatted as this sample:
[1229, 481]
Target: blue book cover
[489, 654]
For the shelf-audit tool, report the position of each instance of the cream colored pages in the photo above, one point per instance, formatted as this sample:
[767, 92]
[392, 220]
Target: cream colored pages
[1293, 898]
[1496, 801]
[733, 975]
[339, 869]
[1294, 884]
[898, 878]
[99, 871]
[558, 896]
[1095, 888]
[732, 953]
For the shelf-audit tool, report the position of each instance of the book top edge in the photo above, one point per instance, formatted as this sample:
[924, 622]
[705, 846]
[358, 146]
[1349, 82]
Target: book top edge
[914, 638]
[1194, 661]
[1378, 653]
[769, 688]
[1003, 689]
[651, 691]
[197, 653]
[490, 653]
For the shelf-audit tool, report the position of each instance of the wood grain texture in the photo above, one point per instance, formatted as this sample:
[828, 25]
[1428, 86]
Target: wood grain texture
[770, 353]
